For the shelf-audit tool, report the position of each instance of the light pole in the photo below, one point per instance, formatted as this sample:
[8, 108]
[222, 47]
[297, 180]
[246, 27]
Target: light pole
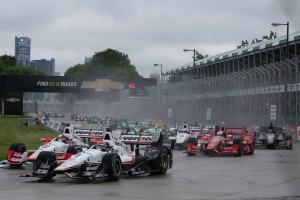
[287, 36]
[160, 70]
[194, 57]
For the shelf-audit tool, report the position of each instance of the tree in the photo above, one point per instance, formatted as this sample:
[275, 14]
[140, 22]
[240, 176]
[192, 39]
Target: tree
[8, 60]
[77, 70]
[7, 67]
[254, 41]
[200, 56]
[109, 63]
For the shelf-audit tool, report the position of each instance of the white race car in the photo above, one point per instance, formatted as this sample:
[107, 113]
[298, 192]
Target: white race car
[67, 142]
[109, 160]
[184, 134]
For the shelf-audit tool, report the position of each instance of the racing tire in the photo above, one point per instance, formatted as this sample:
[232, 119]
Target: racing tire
[193, 140]
[164, 161]
[288, 136]
[46, 157]
[18, 147]
[112, 165]
[73, 149]
[238, 140]
[253, 149]
[241, 152]
[82, 169]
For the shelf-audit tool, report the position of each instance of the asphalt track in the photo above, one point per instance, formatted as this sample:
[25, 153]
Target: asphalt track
[268, 174]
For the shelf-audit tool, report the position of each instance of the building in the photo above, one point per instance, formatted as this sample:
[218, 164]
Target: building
[87, 60]
[47, 67]
[43, 65]
[256, 55]
[22, 51]
[154, 76]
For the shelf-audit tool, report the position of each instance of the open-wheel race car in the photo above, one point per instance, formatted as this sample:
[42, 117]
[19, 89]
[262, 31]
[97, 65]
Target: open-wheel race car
[110, 159]
[184, 135]
[276, 137]
[63, 146]
[199, 144]
[231, 141]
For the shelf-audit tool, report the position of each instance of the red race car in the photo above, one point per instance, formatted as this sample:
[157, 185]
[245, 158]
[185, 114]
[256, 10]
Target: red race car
[231, 141]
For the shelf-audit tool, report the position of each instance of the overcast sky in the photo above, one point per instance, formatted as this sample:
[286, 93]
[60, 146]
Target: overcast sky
[148, 31]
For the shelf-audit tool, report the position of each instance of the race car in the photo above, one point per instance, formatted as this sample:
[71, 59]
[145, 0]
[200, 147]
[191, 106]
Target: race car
[108, 161]
[199, 144]
[60, 146]
[273, 138]
[183, 136]
[231, 141]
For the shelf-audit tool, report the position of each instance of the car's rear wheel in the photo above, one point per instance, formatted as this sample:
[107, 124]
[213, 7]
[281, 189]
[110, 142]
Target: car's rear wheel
[193, 141]
[73, 149]
[164, 161]
[18, 147]
[252, 147]
[289, 138]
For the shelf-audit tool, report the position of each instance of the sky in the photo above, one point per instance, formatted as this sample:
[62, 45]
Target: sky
[148, 31]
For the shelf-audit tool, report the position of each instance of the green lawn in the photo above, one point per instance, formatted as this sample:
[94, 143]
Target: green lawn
[11, 131]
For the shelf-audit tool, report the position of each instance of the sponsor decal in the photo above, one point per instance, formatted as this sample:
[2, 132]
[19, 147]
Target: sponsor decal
[100, 85]
[101, 175]
[12, 100]
[130, 138]
[56, 84]
[82, 132]
[146, 138]
[97, 133]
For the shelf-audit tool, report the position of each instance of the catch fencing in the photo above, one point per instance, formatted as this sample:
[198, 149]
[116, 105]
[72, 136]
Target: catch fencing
[255, 96]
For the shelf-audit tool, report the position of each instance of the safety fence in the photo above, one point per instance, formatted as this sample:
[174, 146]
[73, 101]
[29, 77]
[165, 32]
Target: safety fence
[255, 96]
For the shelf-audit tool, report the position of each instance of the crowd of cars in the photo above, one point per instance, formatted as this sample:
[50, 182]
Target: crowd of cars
[126, 147]
[228, 141]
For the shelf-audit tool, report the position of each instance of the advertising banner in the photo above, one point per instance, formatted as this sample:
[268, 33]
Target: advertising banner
[272, 112]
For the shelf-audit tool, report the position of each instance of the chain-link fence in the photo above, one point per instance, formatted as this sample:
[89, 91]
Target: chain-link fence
[256, 96]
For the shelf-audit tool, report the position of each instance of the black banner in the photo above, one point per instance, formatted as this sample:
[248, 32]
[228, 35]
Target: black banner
[61, 84]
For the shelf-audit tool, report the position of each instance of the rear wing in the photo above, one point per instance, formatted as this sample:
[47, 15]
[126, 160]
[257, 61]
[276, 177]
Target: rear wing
[276, 129]
[235, 131]
[137, 139]
[90, 137]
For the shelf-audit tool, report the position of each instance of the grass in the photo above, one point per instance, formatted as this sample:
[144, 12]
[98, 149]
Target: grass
[11, 131]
